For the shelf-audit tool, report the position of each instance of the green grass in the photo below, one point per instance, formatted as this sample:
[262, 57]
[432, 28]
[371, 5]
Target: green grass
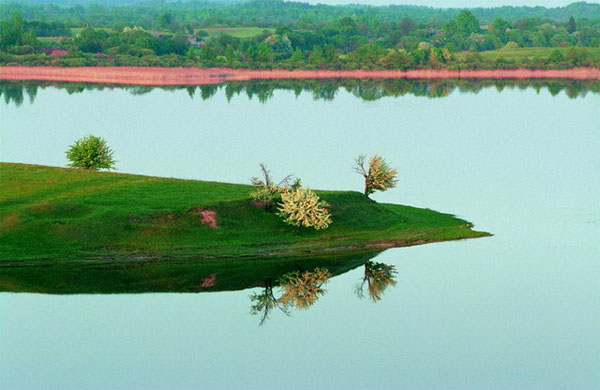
[67, 215]
[238, 32]
[523, 53]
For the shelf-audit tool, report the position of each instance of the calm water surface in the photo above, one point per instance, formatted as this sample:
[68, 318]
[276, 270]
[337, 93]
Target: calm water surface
[520, 310]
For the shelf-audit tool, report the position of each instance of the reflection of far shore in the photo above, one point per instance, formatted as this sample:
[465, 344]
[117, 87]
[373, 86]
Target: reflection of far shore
[18, 91]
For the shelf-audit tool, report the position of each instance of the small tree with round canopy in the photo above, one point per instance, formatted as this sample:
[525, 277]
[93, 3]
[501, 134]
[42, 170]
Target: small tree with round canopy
[92, 153]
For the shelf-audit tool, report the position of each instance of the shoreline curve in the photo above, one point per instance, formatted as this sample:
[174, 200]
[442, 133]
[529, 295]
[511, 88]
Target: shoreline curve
[202, 76]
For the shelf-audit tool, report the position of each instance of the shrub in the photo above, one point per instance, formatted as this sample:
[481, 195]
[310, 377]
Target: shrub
[267, 192]
[269, 196]
[90, 152]
[302, 207]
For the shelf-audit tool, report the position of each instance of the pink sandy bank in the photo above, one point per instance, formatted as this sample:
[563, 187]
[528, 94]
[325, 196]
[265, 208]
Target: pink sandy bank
[199, 76]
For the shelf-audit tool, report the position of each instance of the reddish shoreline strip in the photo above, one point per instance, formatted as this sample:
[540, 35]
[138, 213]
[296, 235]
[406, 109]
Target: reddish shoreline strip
[199, 76]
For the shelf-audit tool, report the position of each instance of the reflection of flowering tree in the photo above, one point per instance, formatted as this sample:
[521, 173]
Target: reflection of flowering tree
[302, 290]
[299, 289]
[378, 277]
[265, 302]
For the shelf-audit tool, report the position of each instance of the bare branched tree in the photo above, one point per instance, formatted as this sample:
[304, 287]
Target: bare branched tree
[378, 175]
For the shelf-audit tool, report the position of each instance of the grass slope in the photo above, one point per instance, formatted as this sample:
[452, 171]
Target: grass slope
[68, 215]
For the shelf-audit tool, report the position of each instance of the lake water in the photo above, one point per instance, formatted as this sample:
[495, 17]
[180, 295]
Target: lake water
[519, 310]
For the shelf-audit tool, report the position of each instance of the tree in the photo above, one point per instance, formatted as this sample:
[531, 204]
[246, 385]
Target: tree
[92, 153]
[265, 53]
[571, 25]
[191, 53]
[91, 40]
[165, 20]
[12, 31]
[406, 26]
[297, 56]
[230, 53]
[379, 176]
[316, 55]
[466, 23]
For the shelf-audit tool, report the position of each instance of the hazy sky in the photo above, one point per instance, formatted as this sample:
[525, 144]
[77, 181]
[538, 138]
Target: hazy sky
[456, 3]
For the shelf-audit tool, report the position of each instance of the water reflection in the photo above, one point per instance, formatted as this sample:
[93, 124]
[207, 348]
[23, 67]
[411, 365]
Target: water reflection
[368, 90]
[283, 284]
[265, 301]
[377, 278]
[299, 289]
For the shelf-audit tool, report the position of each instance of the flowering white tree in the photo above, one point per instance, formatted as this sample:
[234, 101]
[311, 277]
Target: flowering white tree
[378, 175]
[302, 207]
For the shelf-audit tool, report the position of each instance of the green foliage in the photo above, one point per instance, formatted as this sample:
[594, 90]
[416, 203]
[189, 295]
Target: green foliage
[280, 43]
[556, 56]
[297, 56]
[268, 193]
[12, 31]
[91, 40]
[165, 20]
[343, 37]
[90, 152]
[466, 23]
[571, 25]
[267, 196]
[265, 53]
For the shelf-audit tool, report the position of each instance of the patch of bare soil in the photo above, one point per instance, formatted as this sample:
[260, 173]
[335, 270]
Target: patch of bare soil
[206, 216]
[209, 281]
[9, 221]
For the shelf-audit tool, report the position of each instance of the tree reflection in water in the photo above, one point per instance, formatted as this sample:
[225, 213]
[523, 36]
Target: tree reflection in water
[265, 302]
[299, 290]
[377, 278]
[368, 90]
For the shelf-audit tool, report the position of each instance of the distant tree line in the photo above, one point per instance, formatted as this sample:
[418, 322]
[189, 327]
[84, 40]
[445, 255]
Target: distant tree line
[110, 13]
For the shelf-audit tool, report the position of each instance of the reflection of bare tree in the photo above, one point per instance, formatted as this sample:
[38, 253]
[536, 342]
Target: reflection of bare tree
[378, 277]
[265, 302]
[299, 289]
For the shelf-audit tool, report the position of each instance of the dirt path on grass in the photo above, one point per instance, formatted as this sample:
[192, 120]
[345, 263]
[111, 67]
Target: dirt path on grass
[202, 76]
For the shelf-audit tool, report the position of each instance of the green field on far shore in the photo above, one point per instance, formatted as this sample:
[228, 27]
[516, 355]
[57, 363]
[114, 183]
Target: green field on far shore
[523, 53]
[238, 32]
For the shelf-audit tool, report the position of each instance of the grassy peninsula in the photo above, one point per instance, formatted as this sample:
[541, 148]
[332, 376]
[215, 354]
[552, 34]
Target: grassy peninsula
[70, 215]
